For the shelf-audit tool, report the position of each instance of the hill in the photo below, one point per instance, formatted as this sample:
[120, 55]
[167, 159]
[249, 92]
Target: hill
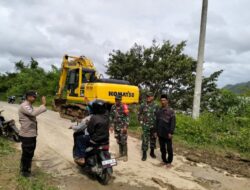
[239, 88]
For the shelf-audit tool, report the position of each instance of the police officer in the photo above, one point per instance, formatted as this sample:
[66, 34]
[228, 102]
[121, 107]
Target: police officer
[147, 113]
[165, 124]
[28, 131]
[119, 120]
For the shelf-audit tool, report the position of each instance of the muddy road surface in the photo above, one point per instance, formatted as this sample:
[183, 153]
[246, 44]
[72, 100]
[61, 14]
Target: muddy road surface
[54, 155]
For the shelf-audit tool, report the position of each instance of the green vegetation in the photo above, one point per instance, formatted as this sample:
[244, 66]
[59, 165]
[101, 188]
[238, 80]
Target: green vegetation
[134, 123]
[5, 147]
[209, 131]
[9, 170]
[163, 67]
[225, 132]
[29, 77]
[40, 182]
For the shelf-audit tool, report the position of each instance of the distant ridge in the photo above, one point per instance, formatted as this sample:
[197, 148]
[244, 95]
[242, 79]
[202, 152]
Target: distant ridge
[239, 88]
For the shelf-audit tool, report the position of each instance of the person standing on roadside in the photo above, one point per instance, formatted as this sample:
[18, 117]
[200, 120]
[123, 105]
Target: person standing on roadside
[165, 126]
[28, 131]
[119, 121]
[146, 117]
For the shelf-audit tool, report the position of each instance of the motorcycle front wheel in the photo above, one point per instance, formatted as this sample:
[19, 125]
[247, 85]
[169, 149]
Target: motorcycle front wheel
[104, 177]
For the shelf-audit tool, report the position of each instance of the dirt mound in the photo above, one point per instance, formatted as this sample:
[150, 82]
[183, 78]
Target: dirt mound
[233, 164]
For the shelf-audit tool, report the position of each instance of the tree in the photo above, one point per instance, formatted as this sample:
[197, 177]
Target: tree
[161, 68]
[19, 66]
[33, 63]
[210, 92]
[29, 77]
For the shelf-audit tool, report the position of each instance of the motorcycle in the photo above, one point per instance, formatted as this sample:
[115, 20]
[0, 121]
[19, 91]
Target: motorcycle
[98, 161]
[11, 99]
[8, 128]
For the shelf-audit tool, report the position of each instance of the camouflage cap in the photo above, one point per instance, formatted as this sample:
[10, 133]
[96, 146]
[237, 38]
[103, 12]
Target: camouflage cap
[148, 94]
[118, 97]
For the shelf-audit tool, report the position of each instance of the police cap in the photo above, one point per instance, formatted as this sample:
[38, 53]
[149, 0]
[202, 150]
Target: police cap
[31, 93]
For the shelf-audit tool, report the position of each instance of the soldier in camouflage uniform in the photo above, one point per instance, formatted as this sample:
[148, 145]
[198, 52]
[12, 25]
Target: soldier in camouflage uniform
[146, 118]
[119, 120]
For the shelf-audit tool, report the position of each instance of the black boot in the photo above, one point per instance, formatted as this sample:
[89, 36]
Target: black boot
[144, 156]
[125, 153]
[152, 153]
[25, 166]
[120, 150]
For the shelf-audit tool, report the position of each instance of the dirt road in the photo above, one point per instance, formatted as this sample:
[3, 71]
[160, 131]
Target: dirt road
[54, 155]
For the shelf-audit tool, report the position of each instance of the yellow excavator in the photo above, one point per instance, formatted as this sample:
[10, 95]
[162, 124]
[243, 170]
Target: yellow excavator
[84, 85]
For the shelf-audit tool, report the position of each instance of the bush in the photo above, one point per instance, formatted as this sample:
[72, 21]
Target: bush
[134, 124]
[228, 103]
[5, 147]
[225, 131]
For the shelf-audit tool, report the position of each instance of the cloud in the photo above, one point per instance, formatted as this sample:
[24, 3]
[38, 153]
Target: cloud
[46, 30]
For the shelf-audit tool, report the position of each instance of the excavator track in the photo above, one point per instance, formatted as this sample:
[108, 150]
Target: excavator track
[70, 111]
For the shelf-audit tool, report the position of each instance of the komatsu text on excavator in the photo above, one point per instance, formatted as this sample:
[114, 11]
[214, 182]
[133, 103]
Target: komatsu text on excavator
[84, 84]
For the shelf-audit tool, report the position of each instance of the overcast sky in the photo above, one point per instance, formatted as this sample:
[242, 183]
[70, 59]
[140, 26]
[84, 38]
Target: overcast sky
[47, 29]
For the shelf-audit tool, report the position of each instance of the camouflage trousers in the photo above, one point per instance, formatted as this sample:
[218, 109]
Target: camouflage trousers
[148, 137]
[121, 139]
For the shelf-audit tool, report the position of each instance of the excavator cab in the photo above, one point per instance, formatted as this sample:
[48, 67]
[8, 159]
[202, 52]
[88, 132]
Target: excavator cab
[72, 81]
[76, 80]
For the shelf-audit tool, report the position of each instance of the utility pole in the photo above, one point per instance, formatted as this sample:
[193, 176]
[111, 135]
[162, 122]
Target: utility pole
[198, 79]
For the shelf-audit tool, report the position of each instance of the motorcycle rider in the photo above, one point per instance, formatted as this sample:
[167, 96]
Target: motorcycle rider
[80, 131]
[97, 129]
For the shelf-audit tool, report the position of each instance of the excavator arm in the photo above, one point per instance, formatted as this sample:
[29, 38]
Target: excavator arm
[63, 76]
[71, 62]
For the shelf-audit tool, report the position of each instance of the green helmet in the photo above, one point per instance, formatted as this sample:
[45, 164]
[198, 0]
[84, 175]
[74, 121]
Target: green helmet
[118, 97]
[148, 94]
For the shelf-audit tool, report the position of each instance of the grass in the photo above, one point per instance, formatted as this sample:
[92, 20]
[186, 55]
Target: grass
[40, 182]
[209, 132]
[5, 147]
[9, 171]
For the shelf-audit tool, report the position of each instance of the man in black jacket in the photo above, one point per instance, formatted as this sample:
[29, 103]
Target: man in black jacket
[97, 129]
[165, 125]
